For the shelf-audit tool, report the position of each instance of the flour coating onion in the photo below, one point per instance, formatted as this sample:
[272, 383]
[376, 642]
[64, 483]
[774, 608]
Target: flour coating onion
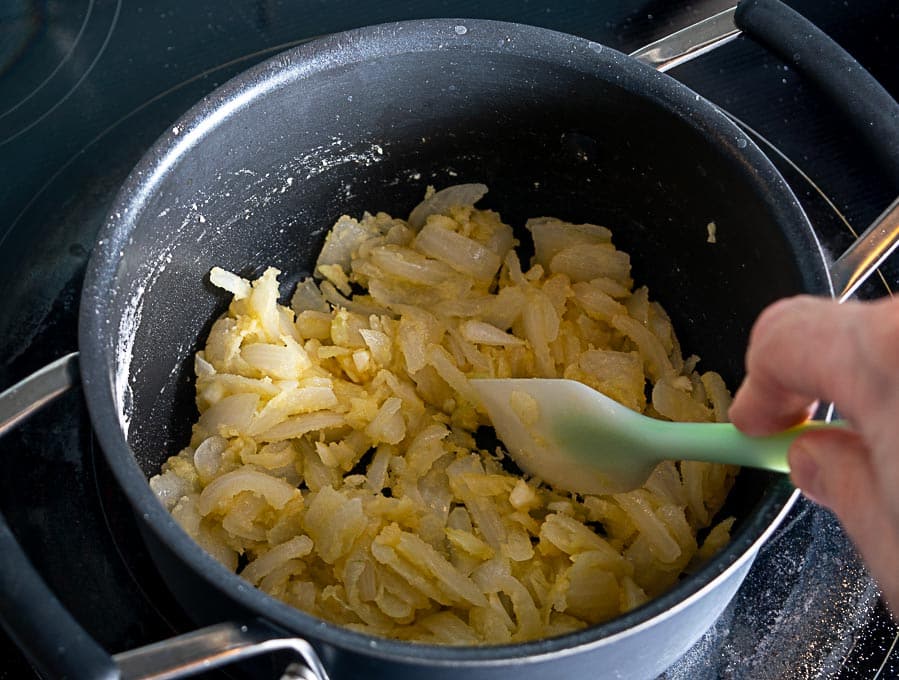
[338, 461]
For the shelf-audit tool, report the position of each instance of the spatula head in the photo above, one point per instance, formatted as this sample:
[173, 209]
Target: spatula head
[549, 429]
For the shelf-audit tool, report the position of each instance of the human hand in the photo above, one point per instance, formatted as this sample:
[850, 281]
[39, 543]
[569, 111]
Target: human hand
[805, 349]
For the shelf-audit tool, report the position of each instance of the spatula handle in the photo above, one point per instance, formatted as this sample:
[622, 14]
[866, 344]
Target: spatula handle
[724, 443]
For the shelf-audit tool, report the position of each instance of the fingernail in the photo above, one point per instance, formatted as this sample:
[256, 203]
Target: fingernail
[805, 472]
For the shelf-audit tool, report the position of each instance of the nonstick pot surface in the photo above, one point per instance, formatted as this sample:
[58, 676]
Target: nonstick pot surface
[254, 176]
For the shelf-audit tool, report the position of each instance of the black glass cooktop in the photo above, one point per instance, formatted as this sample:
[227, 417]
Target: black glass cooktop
[86, 86]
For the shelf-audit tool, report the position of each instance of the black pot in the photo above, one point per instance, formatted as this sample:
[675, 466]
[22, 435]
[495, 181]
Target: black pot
[255, 174]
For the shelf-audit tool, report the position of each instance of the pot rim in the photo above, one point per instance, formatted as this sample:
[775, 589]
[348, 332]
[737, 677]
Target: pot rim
[99, 370]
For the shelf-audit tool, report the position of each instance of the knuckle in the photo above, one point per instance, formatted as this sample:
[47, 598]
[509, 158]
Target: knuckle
[765, 331]
[880, 335]
[876, 334]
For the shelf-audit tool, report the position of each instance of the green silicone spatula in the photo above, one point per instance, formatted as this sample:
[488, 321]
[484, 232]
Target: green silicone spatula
[578, 439]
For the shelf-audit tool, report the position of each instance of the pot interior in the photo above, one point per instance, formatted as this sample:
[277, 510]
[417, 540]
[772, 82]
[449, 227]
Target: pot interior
[255, 175]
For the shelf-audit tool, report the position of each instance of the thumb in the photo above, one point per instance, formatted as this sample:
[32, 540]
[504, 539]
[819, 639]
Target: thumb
[834, 469]
[831, 467]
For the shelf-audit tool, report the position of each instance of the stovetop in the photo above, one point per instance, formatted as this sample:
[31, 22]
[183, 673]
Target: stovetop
[86, 86]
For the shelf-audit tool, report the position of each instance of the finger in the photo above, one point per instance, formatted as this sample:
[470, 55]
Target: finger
[800, 350]
[834, 469]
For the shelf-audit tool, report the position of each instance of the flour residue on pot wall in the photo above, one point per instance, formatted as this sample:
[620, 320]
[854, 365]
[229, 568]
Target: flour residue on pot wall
[128, 326]
[264, 187]
[326, 157]
[129, 323]
[269, 184]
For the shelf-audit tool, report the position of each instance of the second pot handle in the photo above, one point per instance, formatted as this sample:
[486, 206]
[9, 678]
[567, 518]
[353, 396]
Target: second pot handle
[54, 642]
[216, 646]
[30, 395]
[38, 623]
[29, 611]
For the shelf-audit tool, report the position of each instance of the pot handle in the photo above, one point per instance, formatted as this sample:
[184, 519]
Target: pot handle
[864, 102]
[58, 647]
[866, 254]
[867, 106]
[216, 646]
[30, 395]
[848, 86]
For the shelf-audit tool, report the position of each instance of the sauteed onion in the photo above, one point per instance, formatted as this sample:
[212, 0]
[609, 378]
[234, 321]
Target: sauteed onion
[342, 463]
